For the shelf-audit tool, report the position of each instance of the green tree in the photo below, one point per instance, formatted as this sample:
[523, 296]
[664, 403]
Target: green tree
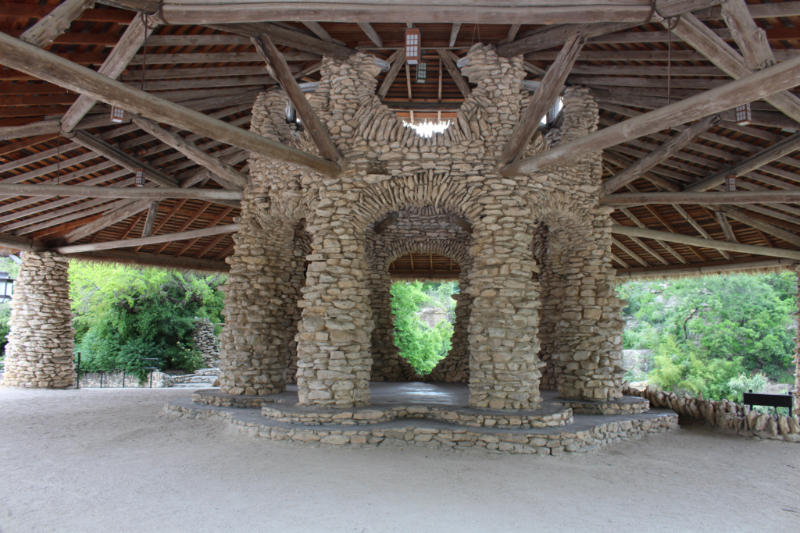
[421, 344]
[124, 315]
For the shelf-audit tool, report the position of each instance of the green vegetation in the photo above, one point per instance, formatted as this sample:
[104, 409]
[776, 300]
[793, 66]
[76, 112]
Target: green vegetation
[717, 336]
[124, 315]
[424, 313]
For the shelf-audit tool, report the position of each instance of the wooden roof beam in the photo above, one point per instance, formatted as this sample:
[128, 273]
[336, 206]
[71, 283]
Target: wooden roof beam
[288, 37]
[454, 29]
[543, 99]
[316, 129]
[449, 62]
[370, 32]
[780, 149]
[699, 198]
[397, 61]
[463, 11]
[705, 243]
[753, 87]
[145, 241]
[231, 178]
[152, 193]
[692, 31]
[55, 23]
[124, 209]
[50, 67]
[161, 261]
[149, 222]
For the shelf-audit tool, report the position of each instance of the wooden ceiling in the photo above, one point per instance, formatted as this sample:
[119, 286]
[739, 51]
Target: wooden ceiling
[183, 53]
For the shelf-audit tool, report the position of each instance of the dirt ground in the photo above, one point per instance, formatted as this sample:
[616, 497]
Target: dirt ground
[108, 460]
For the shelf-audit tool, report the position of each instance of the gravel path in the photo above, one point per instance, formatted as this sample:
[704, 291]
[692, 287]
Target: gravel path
[108, 460]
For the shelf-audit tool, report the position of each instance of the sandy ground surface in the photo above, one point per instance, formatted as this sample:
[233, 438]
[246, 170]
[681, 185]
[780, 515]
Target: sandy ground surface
[108, 460]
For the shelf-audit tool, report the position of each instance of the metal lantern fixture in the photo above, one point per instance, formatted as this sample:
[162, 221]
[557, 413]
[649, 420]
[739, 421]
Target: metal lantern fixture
[730, 183]
[744, 115]
[422, 72]
[6, 287]
[139, 177]
[413, 43]
[117, 115]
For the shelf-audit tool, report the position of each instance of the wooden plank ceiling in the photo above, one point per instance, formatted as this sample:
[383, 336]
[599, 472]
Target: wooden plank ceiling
[632, 67]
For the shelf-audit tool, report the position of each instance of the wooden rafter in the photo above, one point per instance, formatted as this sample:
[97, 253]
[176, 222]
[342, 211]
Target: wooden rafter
[151, 193]
[145, 241]
[315, 127]
[397, 61]
[753, 87]
[449, 62]
[55, 23]
[543, 99]
[702, 198]
[22, 56]
[370, 32]
[124, 209]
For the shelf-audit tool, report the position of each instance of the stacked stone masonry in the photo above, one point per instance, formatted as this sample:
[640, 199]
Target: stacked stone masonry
[206, 341]
[529, 246]
[39, 353]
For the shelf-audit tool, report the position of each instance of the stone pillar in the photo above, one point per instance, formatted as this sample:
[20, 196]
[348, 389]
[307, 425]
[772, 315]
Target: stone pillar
[455, 367]
[588, 344]
[333, 343]
[503, 339]
[254, 345]
[39, 352]
[387, 365]
[297, 280]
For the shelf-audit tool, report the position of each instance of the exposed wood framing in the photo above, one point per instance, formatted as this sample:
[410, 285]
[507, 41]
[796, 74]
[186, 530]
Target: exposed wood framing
[716, 50]
[454, 29]
[229, 176]
[19, 243]
[26, 58]
[699, 198]
[704, 269]
[152, 213]
[543, 99]
[55, 23]
[161, 261]
[776, 151]
[465, 11]
[116, 62]
[370, 32]
[553, 36]
[315, 127]
[705, 243]
[654, 158]
[753, 87]
[792, 237]
[289, 37]
[398, 59]
[449, 62]
[629, 252]
[124, 209]
[152, 193]
[154, 239]
[751, 40]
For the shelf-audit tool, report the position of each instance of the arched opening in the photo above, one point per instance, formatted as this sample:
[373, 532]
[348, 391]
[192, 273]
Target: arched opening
[425, 311]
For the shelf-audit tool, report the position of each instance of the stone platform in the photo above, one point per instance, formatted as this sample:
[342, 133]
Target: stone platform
[425, 414]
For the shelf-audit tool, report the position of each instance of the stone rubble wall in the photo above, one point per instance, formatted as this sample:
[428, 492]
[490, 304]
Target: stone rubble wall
[725, 415]
[39, 353]
[387, 169]
[206, 341]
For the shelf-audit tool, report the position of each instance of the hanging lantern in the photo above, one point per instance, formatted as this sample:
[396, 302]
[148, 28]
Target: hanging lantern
[139, 177]
[117, 115]
[413, 43]
[730, 183]
[422, 72]
[743, 115]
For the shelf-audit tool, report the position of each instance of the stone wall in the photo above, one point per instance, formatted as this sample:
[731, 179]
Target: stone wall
[206, 341]
[445, 193]
[39, 352]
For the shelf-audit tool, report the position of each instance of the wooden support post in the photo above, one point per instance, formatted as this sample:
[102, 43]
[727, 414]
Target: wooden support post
[155, 239]
[313, 125]
[50, 67]
[449, 62]
[150, 221]
[454, 29]
[753, 87]
[230, 177]
[654, 158]
[55, 23]
[705, 243]
[543, 99]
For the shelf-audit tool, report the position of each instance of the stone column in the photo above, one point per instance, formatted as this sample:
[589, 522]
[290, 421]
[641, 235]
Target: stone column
[39, 352]
[254, 345]
[333, 343]
[454, 368]
[386, 361]
[503, 340]
[588, 339]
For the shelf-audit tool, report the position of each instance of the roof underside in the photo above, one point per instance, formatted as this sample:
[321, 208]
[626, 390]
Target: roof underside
[630, 71]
